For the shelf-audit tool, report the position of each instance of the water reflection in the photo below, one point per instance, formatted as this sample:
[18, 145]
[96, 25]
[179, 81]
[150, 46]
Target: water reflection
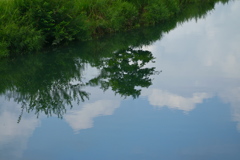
[49, 82]
[232, 96]
[14, 136]
[53, 82]
[199, 73]
[83, 119]
[124, 72]
[164, 98]
[209, 64]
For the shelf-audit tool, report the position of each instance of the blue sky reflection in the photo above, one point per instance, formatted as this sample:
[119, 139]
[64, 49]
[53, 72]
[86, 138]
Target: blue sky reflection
[200, 58]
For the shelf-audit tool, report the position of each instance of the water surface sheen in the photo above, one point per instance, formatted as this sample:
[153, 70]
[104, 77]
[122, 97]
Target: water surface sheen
[166, 92]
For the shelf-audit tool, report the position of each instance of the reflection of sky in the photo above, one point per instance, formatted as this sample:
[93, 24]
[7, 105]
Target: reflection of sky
[138, 131]
[83, 119]
[14, 136]
[163, 98]
[200, 64]
[200, 57]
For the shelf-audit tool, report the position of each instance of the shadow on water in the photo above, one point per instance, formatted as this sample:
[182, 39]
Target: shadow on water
[50, 82]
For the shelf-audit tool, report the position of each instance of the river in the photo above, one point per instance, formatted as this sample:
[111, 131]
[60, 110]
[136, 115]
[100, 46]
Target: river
[171, 92]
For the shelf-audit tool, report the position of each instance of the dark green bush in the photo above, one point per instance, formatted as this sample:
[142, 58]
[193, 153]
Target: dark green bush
[155, 12]
[122, 16]
[58, 20]
[19, 39]
[4, 52]
[173, 6]
[16, 34]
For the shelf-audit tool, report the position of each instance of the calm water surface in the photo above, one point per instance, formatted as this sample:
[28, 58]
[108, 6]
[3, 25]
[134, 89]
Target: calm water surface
[166, 92]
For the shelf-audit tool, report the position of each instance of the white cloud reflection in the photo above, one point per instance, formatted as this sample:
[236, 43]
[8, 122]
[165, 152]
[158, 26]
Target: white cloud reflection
[83, 119]
[200, 57]
[232, 96]
[14, 136]
[161, 98]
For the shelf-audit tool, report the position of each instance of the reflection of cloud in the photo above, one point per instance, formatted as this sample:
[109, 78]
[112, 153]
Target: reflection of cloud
[232, 96]
[211, 45]
[83, 118]
[13, 135]
[163, 98]
[205, 57]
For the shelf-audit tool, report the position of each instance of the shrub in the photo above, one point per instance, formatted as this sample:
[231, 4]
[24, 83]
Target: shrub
[159, 10]
[19, 39]
[16, 34]
[122, 16]
[3, 49]
[154, 12]
[58, 20]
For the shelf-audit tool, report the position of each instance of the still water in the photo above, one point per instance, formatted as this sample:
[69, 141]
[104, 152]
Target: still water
[166, 92]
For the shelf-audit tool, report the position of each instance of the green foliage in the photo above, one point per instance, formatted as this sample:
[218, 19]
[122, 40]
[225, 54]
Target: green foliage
[29, 25]
[21, 39]
[4, 49]
[159, 10]
[57, 19]
[17, 35]
[154, 12]
[122, 16]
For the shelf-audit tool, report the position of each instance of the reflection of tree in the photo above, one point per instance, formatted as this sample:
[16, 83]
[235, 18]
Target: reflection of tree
[50, 83]
[51, 100]
[124, 72]
[43, 85]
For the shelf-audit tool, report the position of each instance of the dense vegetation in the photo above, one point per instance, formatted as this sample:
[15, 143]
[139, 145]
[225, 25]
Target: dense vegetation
[29, 25]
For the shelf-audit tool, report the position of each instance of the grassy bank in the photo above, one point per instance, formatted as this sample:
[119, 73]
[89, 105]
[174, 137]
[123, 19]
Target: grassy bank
[29, 25]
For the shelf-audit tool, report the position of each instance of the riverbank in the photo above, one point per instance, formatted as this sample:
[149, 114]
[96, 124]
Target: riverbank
[27, 26]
